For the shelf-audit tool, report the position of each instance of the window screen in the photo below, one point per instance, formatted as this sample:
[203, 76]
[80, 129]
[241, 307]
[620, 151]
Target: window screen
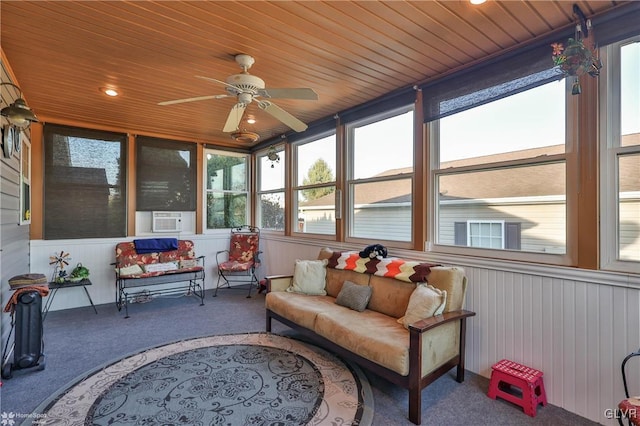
[84, 183]
[166, 175]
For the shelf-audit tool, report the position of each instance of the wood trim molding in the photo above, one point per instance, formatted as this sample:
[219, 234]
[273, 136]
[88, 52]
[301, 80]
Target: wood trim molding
[36, 229]
[588, 165]
[420, 177]
[200, 172]
[131, 185]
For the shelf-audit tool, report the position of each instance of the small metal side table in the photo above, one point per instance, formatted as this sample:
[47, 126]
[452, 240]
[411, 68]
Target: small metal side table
[54, 287]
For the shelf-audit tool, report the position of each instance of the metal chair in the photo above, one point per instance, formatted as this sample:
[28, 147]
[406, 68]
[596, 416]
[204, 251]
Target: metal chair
[628, 408]
[242, 260]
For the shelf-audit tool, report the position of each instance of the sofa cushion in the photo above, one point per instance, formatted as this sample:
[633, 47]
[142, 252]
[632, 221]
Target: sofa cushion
[309, 277]
[452, 280]
[425, 302]
[336, 277]
[370, 334]
[300, 308]
[390, 296]
[354, 296]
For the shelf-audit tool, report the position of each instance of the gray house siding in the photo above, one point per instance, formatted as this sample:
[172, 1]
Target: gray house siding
[14, 238]
[542, 226]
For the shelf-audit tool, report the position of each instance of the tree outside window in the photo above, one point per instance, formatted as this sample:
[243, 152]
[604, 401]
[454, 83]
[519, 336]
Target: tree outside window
[227, 196]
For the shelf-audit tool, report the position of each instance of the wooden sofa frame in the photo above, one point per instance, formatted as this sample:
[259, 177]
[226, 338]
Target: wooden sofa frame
[414, 382]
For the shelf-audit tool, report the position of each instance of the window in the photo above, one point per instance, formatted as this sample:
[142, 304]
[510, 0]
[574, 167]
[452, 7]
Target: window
[166, 175]
[25, 181]
[84, 183]
[271, 183]
[314, 191]
[499, 173]
[620, 168]
[226, 189]
[488, 234]
[380, 177]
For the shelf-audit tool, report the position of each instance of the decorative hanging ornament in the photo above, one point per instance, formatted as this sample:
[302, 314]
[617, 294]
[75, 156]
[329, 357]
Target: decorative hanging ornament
[580, 55]
[273, 156]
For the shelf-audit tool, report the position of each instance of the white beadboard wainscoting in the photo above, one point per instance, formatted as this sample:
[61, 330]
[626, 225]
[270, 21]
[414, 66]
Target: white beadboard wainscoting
[574, 325]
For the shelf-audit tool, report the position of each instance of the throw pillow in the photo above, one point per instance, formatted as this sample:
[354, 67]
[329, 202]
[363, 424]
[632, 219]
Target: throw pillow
[425, 301]
[134, 269]
[188, 263]
[354, 296]
[161, 267]
[309, 277]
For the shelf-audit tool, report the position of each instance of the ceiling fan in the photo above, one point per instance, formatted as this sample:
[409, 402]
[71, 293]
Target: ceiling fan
[247, 88]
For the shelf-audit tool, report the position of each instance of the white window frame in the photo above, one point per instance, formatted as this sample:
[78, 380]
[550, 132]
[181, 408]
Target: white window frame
[481, 222]
[280, 150]
[351, 181]
[611, 151]
[246, 191]
[295, 187]
[569, 159]
[25, 150]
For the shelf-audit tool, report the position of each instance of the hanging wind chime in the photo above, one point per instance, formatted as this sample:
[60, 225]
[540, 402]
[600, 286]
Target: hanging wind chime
[273, 156]
[580, 56]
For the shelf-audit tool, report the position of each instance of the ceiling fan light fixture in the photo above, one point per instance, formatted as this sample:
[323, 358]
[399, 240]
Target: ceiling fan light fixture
[245, 136]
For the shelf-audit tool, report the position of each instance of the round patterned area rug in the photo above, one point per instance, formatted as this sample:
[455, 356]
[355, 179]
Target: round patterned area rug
[242, 379]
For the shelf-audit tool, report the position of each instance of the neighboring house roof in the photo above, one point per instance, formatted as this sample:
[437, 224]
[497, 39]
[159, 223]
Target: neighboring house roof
[531, 181]
[79, 177]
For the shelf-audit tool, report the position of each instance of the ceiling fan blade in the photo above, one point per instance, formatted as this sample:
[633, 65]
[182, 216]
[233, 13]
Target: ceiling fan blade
[224, 83]
[291, 93]
[283, 116]
[234, 118]
[197, 98]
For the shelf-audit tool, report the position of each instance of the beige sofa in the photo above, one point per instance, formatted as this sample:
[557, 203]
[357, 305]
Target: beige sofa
[411, 358]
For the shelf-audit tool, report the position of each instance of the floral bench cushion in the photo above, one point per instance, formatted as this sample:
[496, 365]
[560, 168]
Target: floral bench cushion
[183, 258]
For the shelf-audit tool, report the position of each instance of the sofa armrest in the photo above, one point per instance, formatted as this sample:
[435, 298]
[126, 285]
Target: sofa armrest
[435, 321]
[278, 282]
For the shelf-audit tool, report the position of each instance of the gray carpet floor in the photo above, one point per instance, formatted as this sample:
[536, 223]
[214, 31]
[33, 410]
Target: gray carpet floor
[78, 340]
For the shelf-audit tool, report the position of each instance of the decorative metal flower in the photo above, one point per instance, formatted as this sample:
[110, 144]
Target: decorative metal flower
[576, 59]
[59, 260]
[580, 56]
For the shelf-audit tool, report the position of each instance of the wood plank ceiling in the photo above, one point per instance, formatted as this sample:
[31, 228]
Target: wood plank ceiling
[349, 52]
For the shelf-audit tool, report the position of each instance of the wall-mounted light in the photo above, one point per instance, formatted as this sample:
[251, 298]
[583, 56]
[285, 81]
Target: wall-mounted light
[18, 113]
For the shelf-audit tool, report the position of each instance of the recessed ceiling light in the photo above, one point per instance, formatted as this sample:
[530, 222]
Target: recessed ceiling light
[251, 119]
[477, 1]
[109, 91]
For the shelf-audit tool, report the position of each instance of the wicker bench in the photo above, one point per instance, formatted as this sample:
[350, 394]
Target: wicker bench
[136, 272]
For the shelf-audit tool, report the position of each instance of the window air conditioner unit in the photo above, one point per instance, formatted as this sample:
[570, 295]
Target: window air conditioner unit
[167, 222]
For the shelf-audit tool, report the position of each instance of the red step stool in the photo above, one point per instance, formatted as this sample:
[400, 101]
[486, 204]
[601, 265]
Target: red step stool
[507, 373]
